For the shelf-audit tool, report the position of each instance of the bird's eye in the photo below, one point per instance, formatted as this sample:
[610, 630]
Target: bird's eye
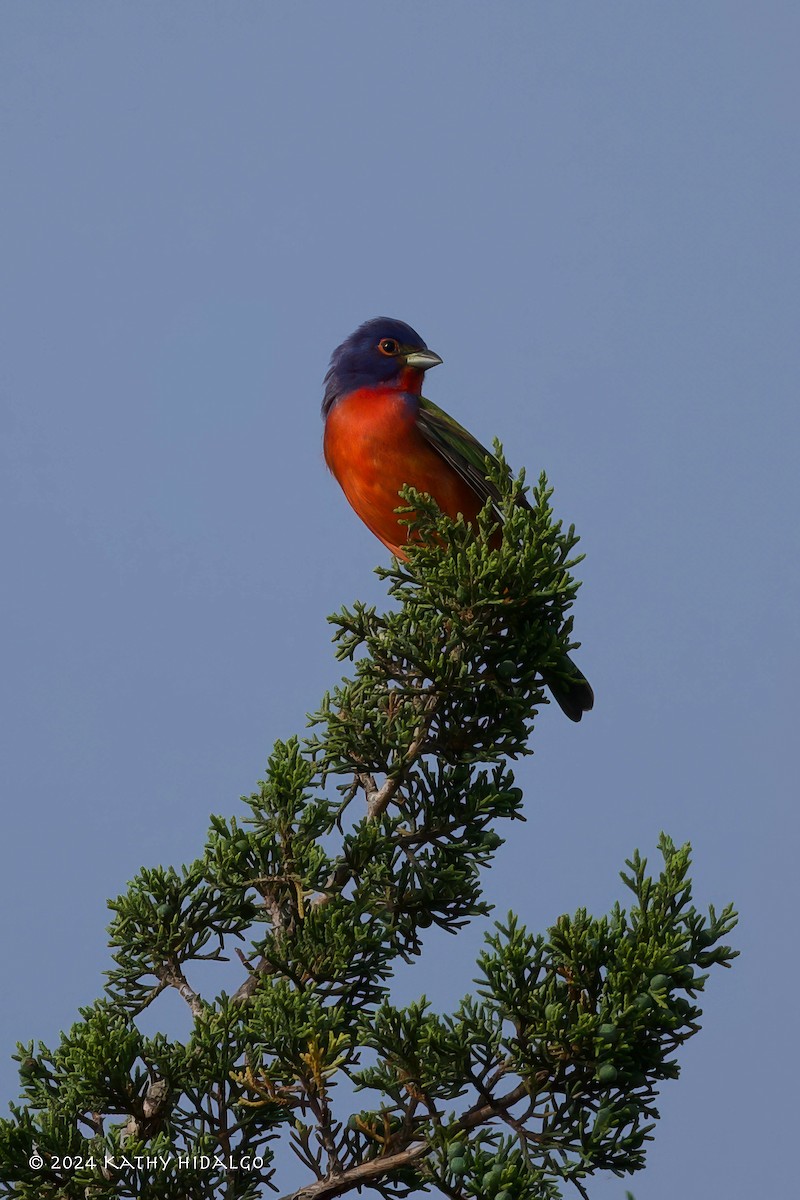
[389, 346]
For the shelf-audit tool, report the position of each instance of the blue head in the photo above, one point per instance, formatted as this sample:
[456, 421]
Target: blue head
[381, 352]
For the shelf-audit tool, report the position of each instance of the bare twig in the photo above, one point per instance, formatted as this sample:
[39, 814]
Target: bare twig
[171, 975]
[246, 989]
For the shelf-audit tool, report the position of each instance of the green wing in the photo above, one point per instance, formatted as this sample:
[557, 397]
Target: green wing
[571, 690]
[459, 448]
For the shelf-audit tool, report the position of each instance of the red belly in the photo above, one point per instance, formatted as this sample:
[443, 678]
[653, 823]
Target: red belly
[373, 447]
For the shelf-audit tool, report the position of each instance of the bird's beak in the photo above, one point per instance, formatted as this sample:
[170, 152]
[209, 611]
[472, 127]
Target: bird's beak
[421, 360]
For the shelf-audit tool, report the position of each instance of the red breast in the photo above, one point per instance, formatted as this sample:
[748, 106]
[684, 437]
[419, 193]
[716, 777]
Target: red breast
[374, 447]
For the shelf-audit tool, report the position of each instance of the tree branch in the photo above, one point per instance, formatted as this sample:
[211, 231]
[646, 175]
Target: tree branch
[369, 1172]
[364, 1173]
[377, 803]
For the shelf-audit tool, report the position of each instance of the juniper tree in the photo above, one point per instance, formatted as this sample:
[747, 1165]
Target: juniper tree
[361, 837]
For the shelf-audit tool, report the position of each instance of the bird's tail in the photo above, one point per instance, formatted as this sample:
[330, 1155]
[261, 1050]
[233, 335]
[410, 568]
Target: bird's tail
[571, 689]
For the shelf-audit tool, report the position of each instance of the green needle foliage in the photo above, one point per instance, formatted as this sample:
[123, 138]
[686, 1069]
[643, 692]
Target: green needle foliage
[358, 840]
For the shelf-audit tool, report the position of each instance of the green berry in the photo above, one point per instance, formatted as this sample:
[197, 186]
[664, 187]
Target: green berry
[491, 1180]
[607, 1074]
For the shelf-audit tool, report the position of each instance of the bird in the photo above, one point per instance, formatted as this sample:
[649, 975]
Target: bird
[382, 434]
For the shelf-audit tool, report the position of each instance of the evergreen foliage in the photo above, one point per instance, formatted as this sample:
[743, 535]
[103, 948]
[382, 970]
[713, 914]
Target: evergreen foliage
[544, 1077]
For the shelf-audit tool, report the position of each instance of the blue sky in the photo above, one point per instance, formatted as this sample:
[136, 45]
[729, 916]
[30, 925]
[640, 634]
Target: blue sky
[590, 212]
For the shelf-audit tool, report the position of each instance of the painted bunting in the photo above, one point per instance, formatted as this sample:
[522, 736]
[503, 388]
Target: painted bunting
[381, 433]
